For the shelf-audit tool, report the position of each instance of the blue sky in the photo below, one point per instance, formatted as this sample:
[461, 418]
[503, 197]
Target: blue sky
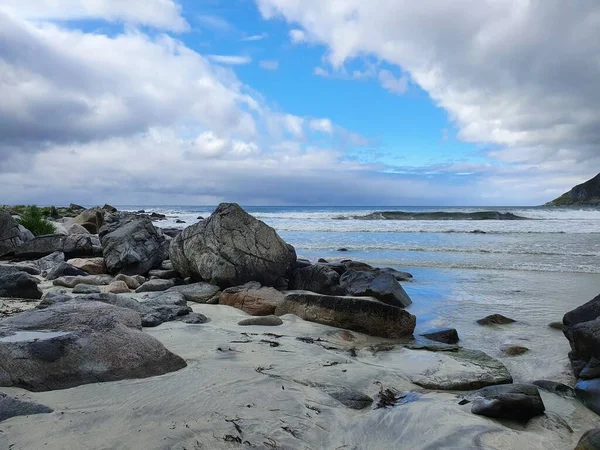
[297, 101]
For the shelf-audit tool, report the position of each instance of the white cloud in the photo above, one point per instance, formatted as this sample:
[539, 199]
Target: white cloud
[214, 23]
[391, 83]
[319, 71]
[269, 64]
[322, 125]
[297, 36]
[255, 37]
[165, 14]
[232, 60]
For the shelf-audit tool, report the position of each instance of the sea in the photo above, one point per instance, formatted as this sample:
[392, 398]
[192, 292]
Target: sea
[532, 268]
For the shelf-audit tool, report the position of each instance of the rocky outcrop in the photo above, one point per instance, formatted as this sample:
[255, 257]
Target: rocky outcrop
[73, 246]
[76, 343]
[381, 285]
[519, 402]
[319, 278]
[363, 314]
[12, 235]
[252, 298]
[231, 248]
[131, 245]
[587, 193]
[19, 285]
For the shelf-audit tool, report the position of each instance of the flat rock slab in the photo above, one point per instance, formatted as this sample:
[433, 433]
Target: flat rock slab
[266, 321]
[362, 314]
[444, 335]
[77, 343]
[12, 407]
[519, 402]
[157, 285]
[74, 245]
[93, 266]
[253, 299]
[94, 280]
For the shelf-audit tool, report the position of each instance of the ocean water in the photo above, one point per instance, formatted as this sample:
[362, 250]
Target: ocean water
[533, 270]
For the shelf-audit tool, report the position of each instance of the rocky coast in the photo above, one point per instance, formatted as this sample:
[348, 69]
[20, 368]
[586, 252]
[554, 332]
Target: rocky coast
[119, 334]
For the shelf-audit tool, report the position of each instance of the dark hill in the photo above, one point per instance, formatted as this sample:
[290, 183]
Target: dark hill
[585, 194]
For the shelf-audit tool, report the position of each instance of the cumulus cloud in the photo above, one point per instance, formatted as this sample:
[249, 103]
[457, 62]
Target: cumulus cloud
[322, 125]
[297, 36]
[391, 83]
[521, 76]
[164, 14]
[267, 64]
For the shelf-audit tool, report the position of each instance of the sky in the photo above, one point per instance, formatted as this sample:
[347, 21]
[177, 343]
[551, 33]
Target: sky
[298, 102]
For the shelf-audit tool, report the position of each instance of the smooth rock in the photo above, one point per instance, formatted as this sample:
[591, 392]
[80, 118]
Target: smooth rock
[445, 335]
[167, 265]
[132, 282]
[13, 407]
[514, 350]
[495, 319]
[86, 289]
[588, 392]
[131, 245]
[197, 292]
[19, 285]
[556, 388]
[156, 285]
[231, 248]
[77, 229]
[52, 298]
[64, 270]
[72, 246]
[193, 318]
[362, 314]
[268, 321]
[556, 325]
[381, 285]
[92, 266]
[301, 263]
[95, 280]
[76, 343]
[591, 369]
[116, 287]
[252, 298]
[319, 278]
[519, 402]
[90, 219]
[399, 276]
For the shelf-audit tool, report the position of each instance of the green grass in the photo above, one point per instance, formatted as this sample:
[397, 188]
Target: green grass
[32, 218]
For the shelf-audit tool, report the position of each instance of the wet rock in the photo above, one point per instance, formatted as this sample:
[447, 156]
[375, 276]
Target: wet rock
[76, 343]
[399, 276]
[319, 278]
[518, 402]
[556, 388]
[267, 321]
[231, 248]
[197, 292]
[95, 280]
[445, 335]
[556, 325]
[514, 350]
[383, 286]
[301, 263]
[131, 245]
[19, 285]
[591, 369]
[92, 266]
[590, 440]
[588, 392]
[64, 270]
[116, 287]
[156, 285]
[363, 314]
[495, 319]
[13, 407]
[86, 289]
[343, 249]
[72, 246]
[252, 298]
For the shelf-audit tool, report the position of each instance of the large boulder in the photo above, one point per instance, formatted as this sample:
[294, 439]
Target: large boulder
[90, 219]
[77, 343]
[93, 266]
[381, 285]
[131, 245]
[252, 298]
[364, 314]
[319, 278]
[64, 270]
[72, 246]
[231, 248]
[197, 292]
[12, 234]
[518, 402]
[19, 285]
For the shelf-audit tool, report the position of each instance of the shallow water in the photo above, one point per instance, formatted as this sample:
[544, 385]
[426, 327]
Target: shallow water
[533, 271]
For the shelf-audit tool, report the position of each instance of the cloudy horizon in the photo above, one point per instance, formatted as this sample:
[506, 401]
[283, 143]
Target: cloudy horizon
[298, 102]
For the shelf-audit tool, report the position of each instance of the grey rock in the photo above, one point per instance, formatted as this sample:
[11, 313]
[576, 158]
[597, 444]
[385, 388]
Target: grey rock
[231, 248]
[399, 276]
[76, 343]
[13, 407]
[591, 369]
[588, 392]
[518, 402]
[320, 279]
[514, 350]
[94, 280]
[48, 263]
[132, 282]
[590, 440]
[156, 285]
[164, 274]
[52, 298]
[10, 234]
[495, 319]
[77, 229]
[72, 246]
[64, 270]
[193, 318]
[381, 285]
[556, 325]
[348, 397]
[267, 321]
[131, 245]
[252, 298]
[301, 263]
[10, 268]
[167, 265]
[363, 314]
[197, 292]
[445, 335]
[556, 388]
[19, 285]
[86, 289]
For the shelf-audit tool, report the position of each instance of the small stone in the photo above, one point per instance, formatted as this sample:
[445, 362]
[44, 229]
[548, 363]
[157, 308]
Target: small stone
[495, 319]
[343, 249]
[117, 287]
[267, 321]
[130, 281]
[194, 318]
[514, 350]
[556, 325]
[444, 335]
